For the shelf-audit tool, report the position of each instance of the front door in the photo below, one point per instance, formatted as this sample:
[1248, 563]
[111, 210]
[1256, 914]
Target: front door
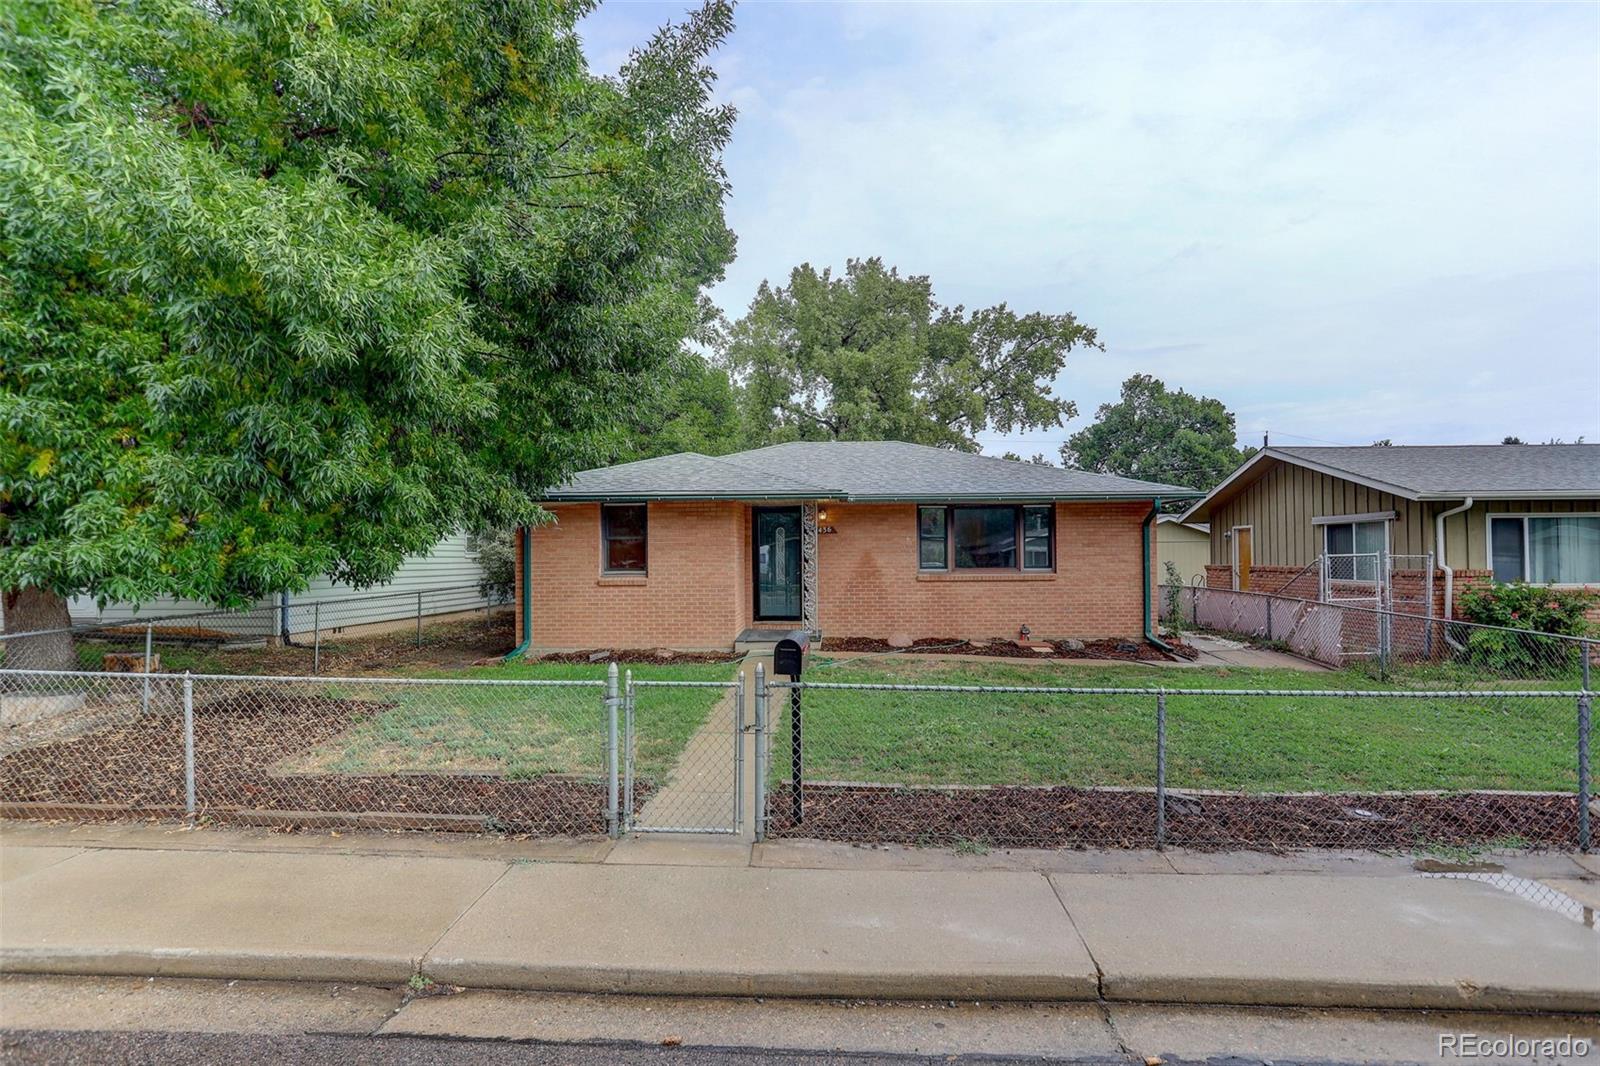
[777, 563]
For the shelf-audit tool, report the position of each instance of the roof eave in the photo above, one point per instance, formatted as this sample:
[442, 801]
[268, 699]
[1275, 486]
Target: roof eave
[1503, 494]
[1225, 485]
[645, 497]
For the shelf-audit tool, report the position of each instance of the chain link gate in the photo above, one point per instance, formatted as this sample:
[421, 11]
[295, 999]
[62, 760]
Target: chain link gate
[683, 770]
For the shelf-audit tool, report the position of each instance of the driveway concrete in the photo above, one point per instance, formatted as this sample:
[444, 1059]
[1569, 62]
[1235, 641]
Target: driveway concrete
[1317, 941]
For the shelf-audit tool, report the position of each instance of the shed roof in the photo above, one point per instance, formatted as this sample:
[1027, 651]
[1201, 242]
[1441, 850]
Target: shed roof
[850, 470]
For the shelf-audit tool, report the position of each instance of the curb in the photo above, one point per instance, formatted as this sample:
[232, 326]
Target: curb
[818, 984]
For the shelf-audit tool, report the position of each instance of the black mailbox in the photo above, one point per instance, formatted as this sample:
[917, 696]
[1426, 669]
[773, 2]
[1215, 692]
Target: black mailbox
[789, 656]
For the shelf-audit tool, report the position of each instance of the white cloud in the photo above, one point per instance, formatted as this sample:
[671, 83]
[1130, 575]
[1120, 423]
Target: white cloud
[1346, 222]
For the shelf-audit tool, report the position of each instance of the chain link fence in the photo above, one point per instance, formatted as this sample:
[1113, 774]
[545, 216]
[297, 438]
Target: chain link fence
[392, 753]
[969, 766]
[310, 636]
[1407, 649]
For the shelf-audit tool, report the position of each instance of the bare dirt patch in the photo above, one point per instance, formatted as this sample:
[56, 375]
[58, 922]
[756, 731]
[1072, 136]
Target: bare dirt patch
[639, 655]
[1085, 818]
[1116, 650]
[241, 742]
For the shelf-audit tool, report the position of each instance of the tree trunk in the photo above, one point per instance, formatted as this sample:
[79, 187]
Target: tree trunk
[31, 609]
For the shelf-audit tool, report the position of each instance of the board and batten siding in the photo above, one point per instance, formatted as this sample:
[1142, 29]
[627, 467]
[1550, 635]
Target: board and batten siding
[1280, 504]
[447, 566]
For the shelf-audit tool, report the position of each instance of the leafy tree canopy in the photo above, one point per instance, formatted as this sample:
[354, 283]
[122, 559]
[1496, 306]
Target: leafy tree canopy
[1158, 435]
[294, 287]
[869, 355]
[694, 407]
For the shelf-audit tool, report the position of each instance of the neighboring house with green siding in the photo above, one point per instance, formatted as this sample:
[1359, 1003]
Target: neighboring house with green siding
[1297, 520]
[1187, 546]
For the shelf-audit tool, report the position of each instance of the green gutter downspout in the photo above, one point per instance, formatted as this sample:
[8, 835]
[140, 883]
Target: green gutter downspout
[527, 598]
[1144, 540]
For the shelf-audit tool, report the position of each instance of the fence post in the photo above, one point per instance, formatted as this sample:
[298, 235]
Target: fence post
[149, 641]
[316, 636]
[1427, 643]
[1586, 650]
[1269, 618]
[1194, 600]
[761, 751]
[1584, 707]
[612, 826]
[738, 753]
[188, 745]
[627, 752]
[797, 762]
[1161, 770]
[419, 618]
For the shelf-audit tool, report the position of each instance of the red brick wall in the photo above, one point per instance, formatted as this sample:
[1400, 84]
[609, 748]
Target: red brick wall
[697, 593]
[870, 585]
[695, 596]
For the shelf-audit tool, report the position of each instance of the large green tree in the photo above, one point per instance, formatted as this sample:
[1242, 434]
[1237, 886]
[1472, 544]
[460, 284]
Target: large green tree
[1159, 435]
[869, 355]
[296, 287]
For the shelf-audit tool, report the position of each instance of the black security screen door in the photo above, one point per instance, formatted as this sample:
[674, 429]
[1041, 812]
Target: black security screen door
[777, 563]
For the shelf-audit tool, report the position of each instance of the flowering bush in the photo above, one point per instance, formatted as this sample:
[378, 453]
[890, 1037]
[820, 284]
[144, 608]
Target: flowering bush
[1531, 607]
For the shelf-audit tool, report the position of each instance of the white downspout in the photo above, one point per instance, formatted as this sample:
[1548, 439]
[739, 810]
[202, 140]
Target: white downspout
[1449, 574]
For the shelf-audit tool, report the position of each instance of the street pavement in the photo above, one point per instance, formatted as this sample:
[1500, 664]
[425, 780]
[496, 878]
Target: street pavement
[77, 1019]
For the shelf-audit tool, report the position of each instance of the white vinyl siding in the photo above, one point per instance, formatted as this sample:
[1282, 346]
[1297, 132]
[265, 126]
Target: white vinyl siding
[448, 566]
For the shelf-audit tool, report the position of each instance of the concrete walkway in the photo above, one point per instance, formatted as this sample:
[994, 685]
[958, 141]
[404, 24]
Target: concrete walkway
[723, 918]
[698, 792]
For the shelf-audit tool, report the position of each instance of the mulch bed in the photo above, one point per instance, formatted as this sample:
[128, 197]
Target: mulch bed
[1121, 650]
[239, 738]
[639, 655]
[1094, 818]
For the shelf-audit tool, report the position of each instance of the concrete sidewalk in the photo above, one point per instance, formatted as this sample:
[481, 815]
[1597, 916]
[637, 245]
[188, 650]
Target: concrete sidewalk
[721, 918]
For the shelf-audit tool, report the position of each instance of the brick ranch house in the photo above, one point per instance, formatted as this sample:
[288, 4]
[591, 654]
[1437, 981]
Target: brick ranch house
[847, 539]
[1299, 521]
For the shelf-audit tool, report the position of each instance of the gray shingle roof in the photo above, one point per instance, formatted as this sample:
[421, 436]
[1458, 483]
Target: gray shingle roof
[850, 470]
[1436, 471]
[1453, 470]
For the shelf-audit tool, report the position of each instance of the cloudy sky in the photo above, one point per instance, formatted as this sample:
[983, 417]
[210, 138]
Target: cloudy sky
[1346, 222]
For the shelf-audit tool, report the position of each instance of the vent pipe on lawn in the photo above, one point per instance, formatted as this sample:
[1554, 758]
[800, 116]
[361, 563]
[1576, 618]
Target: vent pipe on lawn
[527, 597]
[1145, 569]
[1449, 573]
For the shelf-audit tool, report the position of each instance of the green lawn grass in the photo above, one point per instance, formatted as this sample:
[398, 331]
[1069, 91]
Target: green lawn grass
[1274, 743]
[519, 732]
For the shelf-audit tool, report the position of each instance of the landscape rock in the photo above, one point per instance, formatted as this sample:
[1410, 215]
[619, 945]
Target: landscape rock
[900, 640]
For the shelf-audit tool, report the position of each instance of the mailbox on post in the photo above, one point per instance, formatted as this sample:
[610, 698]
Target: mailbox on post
[789, 656]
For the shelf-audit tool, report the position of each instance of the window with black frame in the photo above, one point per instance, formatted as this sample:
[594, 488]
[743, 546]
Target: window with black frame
[624, 538]
[986, 537]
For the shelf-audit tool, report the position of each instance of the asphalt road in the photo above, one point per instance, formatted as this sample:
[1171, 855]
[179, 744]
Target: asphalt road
[211, 1049]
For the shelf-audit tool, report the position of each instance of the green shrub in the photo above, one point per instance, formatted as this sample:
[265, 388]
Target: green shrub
[1534, 608]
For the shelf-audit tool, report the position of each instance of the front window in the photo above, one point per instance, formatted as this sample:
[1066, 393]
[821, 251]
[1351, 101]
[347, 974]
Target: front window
[1545, 549]
[984, 538]
[624, 545]
[1354, 549]
[988, 537]
[933, 546]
